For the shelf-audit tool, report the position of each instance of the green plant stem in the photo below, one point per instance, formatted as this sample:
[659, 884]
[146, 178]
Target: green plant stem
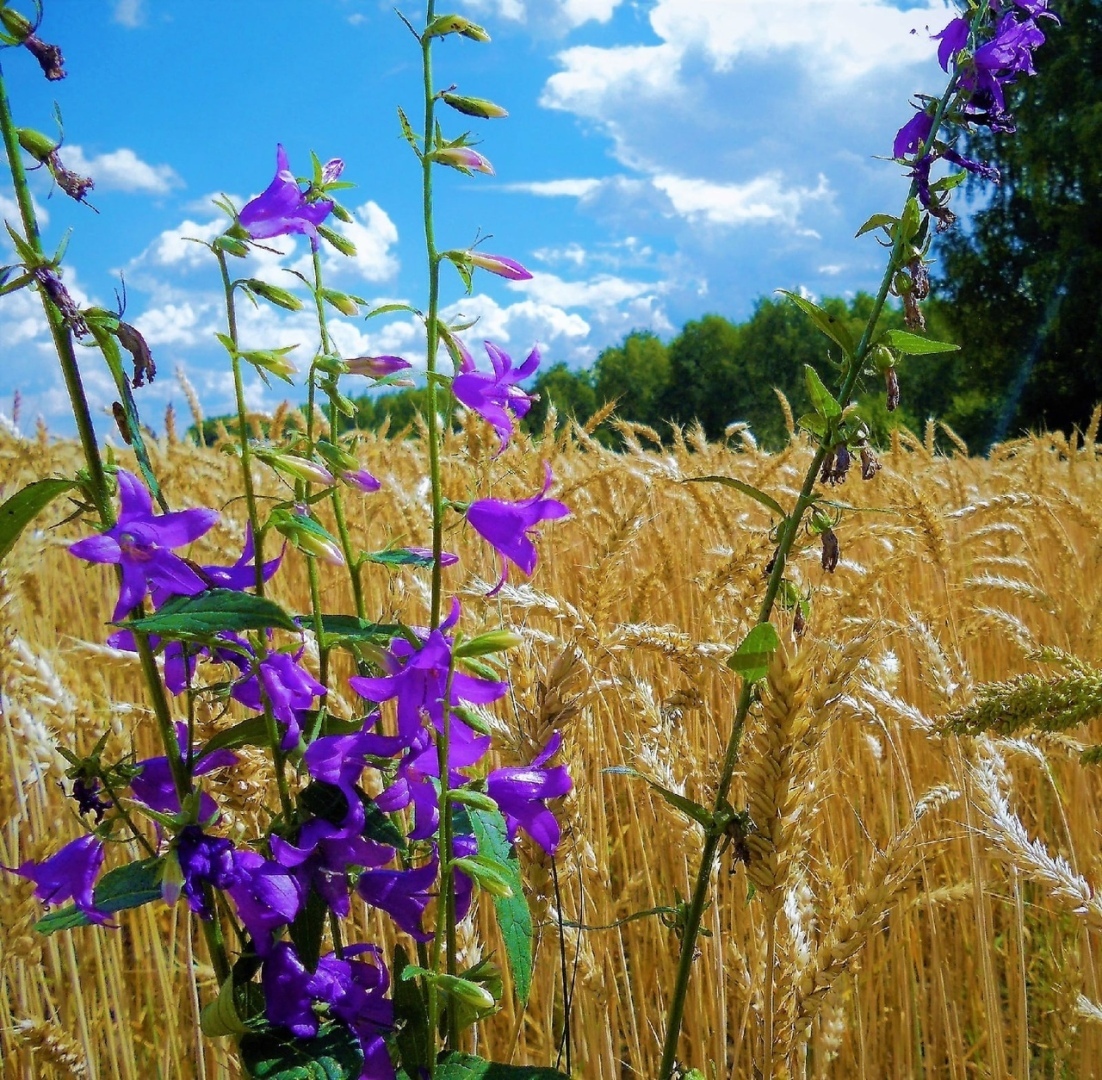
[789, 530]
[63, 343]
[279, 759]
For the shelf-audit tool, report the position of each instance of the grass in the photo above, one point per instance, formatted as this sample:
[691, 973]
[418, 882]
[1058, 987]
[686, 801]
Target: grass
[914, 905]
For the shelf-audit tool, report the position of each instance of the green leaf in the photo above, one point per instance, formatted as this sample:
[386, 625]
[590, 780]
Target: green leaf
[397, 557]
[334, 1054]
[386, 309]
[739, 485]
[814, 424]
[379, 827]
[348, 629]
[250, 732]
[693, 810]
[513, 916]
[829, 324]
[457, 1066]
[24, 506]
[751, 658]
[128, 886]
[913, 345]
[411, 1017]
[308, 928]
[877, 221]
[210, 613]
[821, 398]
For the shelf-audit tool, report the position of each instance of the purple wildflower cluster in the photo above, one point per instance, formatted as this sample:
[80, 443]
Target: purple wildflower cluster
[985, 57]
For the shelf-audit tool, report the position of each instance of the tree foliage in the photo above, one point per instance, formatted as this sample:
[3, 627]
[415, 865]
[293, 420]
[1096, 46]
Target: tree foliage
[1020, 286]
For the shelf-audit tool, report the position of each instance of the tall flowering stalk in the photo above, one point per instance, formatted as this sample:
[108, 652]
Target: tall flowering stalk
[983, 50]
[442, 830]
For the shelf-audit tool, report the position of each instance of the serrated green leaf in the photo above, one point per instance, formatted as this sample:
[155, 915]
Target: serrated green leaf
[397, 557]
[334, 1054]
[250, 732]
[25, 505]
[822, 399]
[829, 324]
[914, 345]
[739, 485]
[468, 1067]
[692, 810]
[513, 916]
[411, 1017]
[125, 887]
[751, 659]
[348, 629]
[814, 424]
[212, 612]
[877, 221]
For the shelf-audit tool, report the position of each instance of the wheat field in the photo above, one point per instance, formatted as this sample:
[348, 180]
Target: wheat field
[922, 905]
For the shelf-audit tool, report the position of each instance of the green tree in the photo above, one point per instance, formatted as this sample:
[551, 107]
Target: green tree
[1021, 283]
[635, 374]
[571, 392]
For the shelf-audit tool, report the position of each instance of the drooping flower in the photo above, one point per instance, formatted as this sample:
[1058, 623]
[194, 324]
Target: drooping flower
[154, 785]
[418, 682]
[500, 265]
[521, 795]
[913, 134]
[70, 874]
[494, 396]
[507, 526]
[282, 208]
[267, 896]
[141, 544]
[205, 860]
[288, 687]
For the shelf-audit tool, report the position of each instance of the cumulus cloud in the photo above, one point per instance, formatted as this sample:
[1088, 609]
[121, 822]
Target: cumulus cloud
[122, 170]
[763, 200]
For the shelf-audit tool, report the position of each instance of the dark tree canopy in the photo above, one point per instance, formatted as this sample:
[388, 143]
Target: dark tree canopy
[1021, 287]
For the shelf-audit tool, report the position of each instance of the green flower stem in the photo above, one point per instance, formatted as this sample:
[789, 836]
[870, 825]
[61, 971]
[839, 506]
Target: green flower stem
[788, 532]
[279, 759]
[63, 343]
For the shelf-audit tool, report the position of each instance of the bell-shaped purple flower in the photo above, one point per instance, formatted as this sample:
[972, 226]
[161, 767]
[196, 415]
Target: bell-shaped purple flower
[141, 544]
[282, 209]
[205, 860]
[507, 526]
[913, 134]
[521, 795]
[70, 874]
[154, 785]
[267, 897]
[287, 686]
[495, 396]
[418, 681]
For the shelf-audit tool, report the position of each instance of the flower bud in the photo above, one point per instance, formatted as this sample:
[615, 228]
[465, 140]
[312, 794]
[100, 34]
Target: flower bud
[472, 106]
[468, 992]
[456, 24]
[476, 800]
[490, 878]
[344, 303]
[376, 367]
[274, 360]
[274, 294]
[332, 170]
[500, 265]
[295, 467]
[39, 146]
[231, 246]
[492, 642]
[308, 536]
[172, 879]
[462, 158]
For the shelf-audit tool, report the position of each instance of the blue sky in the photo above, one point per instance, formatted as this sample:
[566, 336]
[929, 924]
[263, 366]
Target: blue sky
[662, 159]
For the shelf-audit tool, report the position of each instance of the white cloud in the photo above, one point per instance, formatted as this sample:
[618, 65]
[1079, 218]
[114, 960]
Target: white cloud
[9, 211]
[130, 13]
[572, 253]
[577, 12]
[374, 234]
[592, 74]
[761, 200]
[576, 189]
[602, 291]
[122, 170]
[177, 247]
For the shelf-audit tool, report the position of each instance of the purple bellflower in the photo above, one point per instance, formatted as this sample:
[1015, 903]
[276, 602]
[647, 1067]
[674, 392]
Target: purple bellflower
[418, 681]
[267, 896]
[376, 367]
[500, 265]
[141, 545]
[354, 990]
[282, 209]
[69, 874]
[155, 788]
[520, 793]
[288, 687]
[507, 526]
[494, 396]
[205, 860]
